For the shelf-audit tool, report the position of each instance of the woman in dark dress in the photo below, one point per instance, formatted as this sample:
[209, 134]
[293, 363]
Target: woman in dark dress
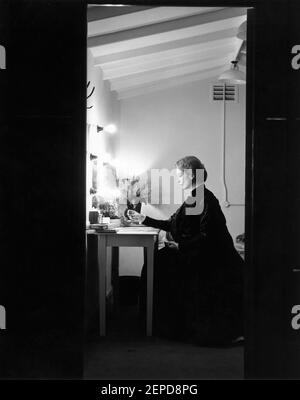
[198, 284]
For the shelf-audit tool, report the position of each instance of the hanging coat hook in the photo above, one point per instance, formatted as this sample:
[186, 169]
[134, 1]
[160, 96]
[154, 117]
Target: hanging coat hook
[92, 91]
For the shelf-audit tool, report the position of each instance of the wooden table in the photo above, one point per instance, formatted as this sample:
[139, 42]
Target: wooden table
[126, 237]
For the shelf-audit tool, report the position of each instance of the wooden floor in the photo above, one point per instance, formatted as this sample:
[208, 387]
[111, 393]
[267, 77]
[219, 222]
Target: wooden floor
[126, 353]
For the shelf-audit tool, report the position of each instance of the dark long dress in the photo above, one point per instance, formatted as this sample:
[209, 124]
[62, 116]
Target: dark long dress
[198, 288]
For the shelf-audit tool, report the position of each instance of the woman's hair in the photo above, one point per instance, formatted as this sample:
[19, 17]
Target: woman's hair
[193, 163]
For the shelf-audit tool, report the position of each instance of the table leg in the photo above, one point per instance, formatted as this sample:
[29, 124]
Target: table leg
[150, 260]
[115, 277]
[102, 281]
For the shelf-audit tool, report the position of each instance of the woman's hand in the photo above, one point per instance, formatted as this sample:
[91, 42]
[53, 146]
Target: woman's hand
[135, 216]
[125, 221]
[171, 244]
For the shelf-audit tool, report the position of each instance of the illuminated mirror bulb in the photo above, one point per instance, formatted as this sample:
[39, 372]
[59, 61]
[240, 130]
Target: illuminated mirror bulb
[106, 158]
[110, 128]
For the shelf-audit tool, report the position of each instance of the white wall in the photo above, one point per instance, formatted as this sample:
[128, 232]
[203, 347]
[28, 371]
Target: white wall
[159, 128]
[106, 106]
[105, 110]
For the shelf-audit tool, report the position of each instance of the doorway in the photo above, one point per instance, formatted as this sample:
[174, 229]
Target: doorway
[153, 76]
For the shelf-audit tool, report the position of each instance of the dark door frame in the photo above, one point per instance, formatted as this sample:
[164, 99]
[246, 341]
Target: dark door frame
[43, 159]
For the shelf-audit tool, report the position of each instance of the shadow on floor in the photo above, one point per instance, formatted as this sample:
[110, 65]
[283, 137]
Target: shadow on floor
[126, 353]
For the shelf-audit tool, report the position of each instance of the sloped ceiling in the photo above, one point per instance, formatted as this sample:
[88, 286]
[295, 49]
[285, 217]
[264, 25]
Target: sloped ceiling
[150, 49]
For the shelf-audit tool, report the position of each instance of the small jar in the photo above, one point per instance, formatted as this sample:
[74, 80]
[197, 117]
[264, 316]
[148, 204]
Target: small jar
[94, 216]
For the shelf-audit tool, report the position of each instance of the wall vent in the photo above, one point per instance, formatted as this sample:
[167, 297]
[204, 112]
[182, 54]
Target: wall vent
[218, 91]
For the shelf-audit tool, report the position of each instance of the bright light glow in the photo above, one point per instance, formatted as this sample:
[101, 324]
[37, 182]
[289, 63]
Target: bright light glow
[116, 192]
[113, 162]
[103, 192]
[108, 193]
[110, 128]
[106, 158]
[127, 169]
[96, 141]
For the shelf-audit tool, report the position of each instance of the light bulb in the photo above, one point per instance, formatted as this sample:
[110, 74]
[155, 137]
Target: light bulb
[106, 157]
[110, 128]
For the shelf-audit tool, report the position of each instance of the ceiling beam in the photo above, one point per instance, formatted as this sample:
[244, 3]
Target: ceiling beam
[165, 73]
[96, 12]
[158, 61]
[167, 53]
[163, 48]
[167, 31]
[143, 18]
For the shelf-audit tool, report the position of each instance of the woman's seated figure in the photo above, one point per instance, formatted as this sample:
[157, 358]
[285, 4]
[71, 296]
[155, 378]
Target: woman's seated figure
[198, 274]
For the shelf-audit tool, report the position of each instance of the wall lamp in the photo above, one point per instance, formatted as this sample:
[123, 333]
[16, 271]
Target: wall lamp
[233, 75]
[110, 128]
